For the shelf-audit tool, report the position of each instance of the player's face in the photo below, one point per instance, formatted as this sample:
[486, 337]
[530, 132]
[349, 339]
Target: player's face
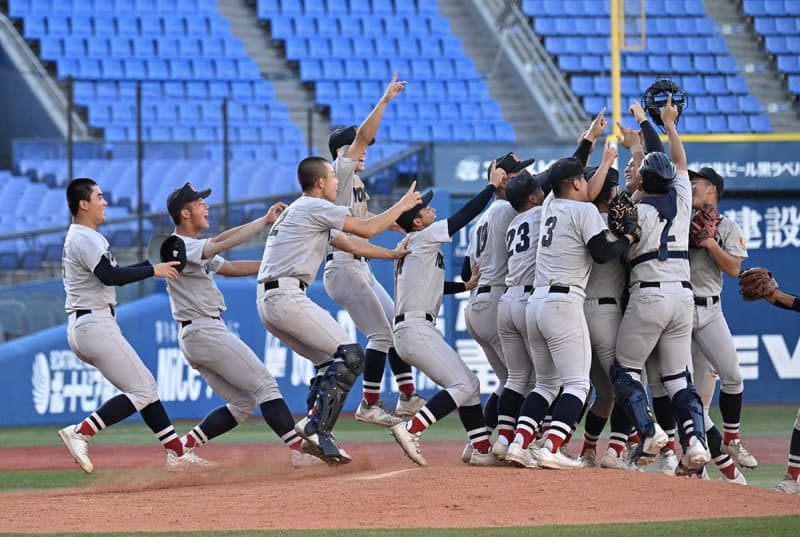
[198, 211]
[329, 184]
[702, 192]
[580, 184]
[361, 160]
[629, 173]
[96, 206]
[426, 216]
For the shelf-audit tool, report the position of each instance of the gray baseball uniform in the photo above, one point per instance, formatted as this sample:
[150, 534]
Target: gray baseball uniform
[473, 262]
[522, 239]
[419, 285]
[92, 331]
[492, 258]
[229, 366]
[292, 256]
[603, 310]
[659, 312]
[349, 280]
[557, 329]
[710, 333]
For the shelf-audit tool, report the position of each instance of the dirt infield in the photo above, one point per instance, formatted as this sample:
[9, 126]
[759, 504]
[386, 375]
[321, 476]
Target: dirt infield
[256, 488]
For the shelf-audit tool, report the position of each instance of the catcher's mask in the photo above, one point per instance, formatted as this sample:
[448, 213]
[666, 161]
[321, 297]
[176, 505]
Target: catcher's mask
[658, 172]
[655, 97]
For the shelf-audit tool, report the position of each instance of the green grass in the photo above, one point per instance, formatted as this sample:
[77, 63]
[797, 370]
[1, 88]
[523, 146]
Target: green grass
[757, 420]
[730, 527]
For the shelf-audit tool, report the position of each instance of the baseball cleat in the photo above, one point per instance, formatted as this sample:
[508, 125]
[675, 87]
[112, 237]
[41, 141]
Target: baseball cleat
[651, 445]
[499, 450]
[188, 461]
[612, 461]
[311, 445]
[375, 414]
[588, 459]
[738, 480]
[484, 459]
[736, 450]
[409, 442]
[557, 460]
[466, 454]
[78, 446]
[408, 406]
[665, 463]
[519, 456]
[789, 485]
[305, 460]
[695, 456]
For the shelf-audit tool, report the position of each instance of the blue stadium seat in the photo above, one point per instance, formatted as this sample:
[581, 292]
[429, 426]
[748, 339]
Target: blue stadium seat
[760, 123]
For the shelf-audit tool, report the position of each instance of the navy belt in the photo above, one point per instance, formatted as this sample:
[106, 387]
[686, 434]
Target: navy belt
[528, 289]
[649, 256]
[274, 285]
[184, 324]
[81, 313]
[559, 289]
[483, 289]
[706, 300]
[607, 300]
[329, 257]
[402, 317]
[685, 285]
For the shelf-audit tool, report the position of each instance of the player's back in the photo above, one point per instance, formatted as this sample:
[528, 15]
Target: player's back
[522, 242]
[419, 276]
[490, 250]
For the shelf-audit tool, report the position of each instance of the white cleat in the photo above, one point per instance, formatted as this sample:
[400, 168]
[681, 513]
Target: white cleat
[739, 478]
[78, 446]
[188, 461]
[665, 463]
[588, 459]
[466, 454]
[696, 456]
[519, 456]
[651, 445]
[736, 450]
[305, 460]
[483, 459]
[311, 445]
[499, 450]
[375, 414]
[612, 461]
[408, 406]
[789, 485]
[557, 460]
[410, 443]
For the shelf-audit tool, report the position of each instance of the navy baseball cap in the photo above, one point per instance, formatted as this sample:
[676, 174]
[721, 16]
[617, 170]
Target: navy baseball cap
[710, 175]
[612, 177]
[342, 136]
[406, 220]
[521, 186]
[183, 195]
[511, 163]
[563, 169]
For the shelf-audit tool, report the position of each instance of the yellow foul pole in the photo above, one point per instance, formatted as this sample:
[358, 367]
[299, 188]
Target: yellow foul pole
[616, 85]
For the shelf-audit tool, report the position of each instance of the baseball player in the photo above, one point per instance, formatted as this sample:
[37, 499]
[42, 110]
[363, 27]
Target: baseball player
[90, 273]
[419, 285]
[659, 313]
[229, 366]
[492, 258]
[711, 336]
[350, 282]
[758, 283]
[524, 193]
[294, 250]
[572, 235]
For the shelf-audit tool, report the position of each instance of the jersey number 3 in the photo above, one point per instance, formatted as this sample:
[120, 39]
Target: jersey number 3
[549, 226]
[523, 242]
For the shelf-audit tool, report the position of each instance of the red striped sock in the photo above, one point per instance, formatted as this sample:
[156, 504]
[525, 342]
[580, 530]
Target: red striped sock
[174, 445]
[416, 425]
[634, 438]
[85, 428]
[371, 397]
[793, 471]
[406, 388]
[555, 440]
[482, 446]
[727, 437]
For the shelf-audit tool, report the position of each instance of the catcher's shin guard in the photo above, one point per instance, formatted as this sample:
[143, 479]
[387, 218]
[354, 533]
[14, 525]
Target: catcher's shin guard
[631, 397]
[689, 411]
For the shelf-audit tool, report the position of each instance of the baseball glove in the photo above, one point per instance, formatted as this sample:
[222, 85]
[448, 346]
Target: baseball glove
[757, 283]
[174, 249]
[623, 217]
[704, 225]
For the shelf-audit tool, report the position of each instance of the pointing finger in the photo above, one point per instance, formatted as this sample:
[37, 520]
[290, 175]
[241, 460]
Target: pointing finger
[413, 186]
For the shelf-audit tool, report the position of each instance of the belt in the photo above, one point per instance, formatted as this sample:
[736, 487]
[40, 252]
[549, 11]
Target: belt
[81, 313]
[483, 289]
[607, 300]
[528, 289]
[559, 289]
[184, 324]
[402, 317]
[685, 285]
[273, 284]
[706, 300]
[330, 257]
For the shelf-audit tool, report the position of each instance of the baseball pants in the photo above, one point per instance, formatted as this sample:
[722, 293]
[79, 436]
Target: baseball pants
[96, 339]
[713, 339]
[603, 322]
[513, 332]
[421, 345]
[229, 366]
[483, 328]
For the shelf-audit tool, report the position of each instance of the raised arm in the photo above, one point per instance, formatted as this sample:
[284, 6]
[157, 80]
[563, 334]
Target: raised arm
[372, 226]
[369, 127]
[365, 249]
[652, 142]
[586, 143]
[471, 209]
[669, 114]
[241, 234]
[595, 184]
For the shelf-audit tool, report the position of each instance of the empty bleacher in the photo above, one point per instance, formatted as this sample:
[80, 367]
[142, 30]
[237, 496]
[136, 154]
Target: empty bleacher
[778, 23]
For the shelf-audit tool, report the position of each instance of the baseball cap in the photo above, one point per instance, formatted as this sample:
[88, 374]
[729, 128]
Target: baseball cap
[511, 163]
[564, 168]
[406, 220]
[612, 177]
[711, 175]
[521, 186]
[183, 195]
[342, 136]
